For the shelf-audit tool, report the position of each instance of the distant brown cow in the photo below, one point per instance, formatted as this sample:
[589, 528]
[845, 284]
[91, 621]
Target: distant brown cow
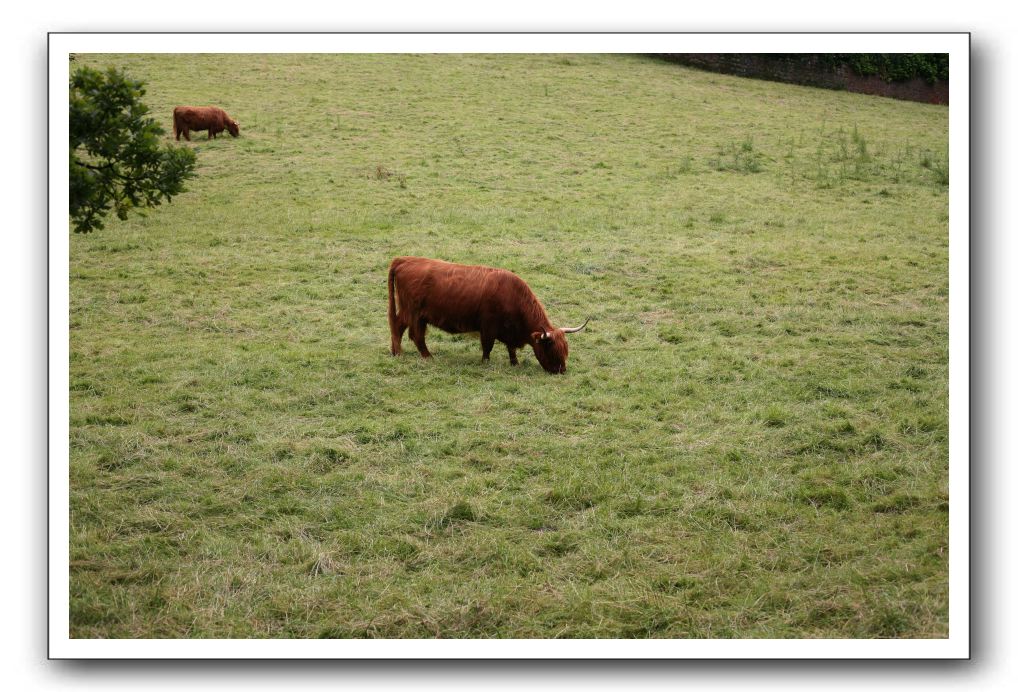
[458, 298]
[197, 118]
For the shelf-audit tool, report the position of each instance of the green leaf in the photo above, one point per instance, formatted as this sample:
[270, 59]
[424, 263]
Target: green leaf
[116, 160]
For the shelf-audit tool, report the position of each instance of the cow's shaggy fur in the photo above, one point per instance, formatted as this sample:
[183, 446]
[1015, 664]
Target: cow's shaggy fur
[460, 298]
[198, 118]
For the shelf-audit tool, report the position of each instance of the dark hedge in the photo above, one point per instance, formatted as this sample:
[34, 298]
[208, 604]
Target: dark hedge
[893, 67]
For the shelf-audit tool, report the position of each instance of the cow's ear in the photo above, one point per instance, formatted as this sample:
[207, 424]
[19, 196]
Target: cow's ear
[535, 337]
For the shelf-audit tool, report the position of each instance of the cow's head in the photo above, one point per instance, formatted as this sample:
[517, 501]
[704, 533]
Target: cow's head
[552, 349]
[233, 127]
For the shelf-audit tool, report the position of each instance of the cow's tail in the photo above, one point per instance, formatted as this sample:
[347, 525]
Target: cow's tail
[392, 296]
[176, 131]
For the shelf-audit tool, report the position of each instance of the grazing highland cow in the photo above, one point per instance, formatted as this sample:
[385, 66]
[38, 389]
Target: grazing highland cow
[197, 118]
[459, 298]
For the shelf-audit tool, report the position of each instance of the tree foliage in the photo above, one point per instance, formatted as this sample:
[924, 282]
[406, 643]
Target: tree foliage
[116, 160]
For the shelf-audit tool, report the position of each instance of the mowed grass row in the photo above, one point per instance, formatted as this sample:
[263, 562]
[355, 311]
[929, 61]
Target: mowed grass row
[751, 440]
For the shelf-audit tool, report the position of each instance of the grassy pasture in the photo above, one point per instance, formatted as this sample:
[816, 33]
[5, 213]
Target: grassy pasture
[751, 440]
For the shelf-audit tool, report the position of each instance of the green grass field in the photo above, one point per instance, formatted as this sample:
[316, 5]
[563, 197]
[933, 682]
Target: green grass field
[751, 440]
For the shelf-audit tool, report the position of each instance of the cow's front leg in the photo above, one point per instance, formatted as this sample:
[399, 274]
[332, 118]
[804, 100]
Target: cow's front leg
[487, 343]
[513, 360]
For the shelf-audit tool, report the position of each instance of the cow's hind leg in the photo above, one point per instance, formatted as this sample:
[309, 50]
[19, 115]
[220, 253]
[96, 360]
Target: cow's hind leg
[418, 328]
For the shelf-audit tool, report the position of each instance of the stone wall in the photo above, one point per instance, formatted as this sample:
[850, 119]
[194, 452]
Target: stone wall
[807, 69]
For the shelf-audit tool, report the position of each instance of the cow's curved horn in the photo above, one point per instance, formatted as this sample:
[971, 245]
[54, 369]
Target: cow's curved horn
[572, 330]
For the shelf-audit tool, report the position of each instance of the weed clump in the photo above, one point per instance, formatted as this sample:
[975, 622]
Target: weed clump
[384, 174]
[461, 512]
[822, 496]
[774, 417]
[739, 157]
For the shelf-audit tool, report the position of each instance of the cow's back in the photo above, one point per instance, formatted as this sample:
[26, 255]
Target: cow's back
[455, 297]
[199, 117]
[186, 114]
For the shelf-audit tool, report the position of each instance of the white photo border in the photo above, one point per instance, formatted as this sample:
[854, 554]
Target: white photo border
[955, 646]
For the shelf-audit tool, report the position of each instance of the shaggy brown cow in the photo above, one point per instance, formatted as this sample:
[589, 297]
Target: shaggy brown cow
[197, 118]
[458, 299]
